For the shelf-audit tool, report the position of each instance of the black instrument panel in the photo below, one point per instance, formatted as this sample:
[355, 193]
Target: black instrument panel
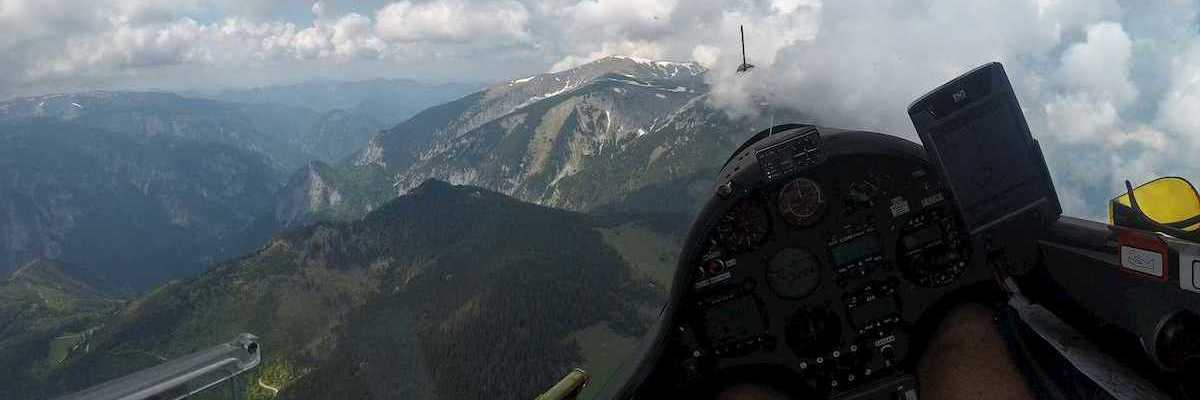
[817, 272]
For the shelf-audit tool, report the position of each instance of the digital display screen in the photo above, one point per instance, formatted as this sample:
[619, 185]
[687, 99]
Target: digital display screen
[922, 237]
[863, 246]
[984, 154]
[786, 158]
[977, 137]
[870, 312]
[733, 320]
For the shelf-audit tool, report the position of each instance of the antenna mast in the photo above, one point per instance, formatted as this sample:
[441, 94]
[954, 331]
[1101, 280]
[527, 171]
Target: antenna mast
[746, 66]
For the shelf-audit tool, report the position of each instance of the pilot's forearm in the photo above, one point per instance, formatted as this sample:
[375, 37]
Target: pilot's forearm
[967, 359]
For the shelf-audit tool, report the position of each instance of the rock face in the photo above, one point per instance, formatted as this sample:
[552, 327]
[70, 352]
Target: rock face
[582, 139]
[129, 211]
[337, 134]
[307, 190]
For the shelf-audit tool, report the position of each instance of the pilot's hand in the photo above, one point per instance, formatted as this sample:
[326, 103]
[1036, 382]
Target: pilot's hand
[967, 359]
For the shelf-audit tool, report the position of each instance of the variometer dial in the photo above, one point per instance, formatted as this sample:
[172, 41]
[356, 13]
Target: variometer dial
[743, 227]
[801, 202]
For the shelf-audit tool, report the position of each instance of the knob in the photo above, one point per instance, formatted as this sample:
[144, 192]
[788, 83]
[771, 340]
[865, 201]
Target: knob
[888, 352]
[1178, 341]
[1177, 347]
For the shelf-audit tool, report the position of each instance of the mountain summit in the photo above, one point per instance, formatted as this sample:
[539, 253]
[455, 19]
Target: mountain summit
[584, 138]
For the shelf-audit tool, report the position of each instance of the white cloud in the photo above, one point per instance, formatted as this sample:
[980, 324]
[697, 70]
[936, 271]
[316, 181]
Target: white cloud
[641, 49]
[452, 21]
[351, 38]
[706, 55]
[1179, 109]
[634, 19]
[1100, 64]
[123, 38]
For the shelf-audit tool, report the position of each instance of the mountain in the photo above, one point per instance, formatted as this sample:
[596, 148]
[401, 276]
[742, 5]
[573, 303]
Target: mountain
[46, 315]
[264, 129]
[335, 135]
[429, 296]
[598, 136]
[129, 210]
[386, 100]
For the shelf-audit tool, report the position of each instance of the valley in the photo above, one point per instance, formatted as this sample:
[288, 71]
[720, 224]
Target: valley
[373, 262]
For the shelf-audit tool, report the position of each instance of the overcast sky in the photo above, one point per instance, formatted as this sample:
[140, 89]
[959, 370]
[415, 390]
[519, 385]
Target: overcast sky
[1110, 88]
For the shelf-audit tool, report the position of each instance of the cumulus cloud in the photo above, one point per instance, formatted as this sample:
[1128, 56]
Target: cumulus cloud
[69, 40]
[452, 21]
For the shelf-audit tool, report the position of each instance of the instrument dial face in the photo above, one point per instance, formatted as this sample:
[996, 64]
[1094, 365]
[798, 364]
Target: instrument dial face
[793, 273]
[743, 227]
[811, 333]
[801, 202]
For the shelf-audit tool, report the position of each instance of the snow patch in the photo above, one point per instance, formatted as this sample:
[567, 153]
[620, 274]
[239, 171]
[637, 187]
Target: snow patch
[660, 95]
[638, 60]
[77, 106]
[618, 90]
[670, 69]
[632, 83]
[641, 132]
[522, 80]
[569, 87]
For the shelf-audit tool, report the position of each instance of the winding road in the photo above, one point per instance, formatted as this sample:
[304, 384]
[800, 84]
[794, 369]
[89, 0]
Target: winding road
[274, 391]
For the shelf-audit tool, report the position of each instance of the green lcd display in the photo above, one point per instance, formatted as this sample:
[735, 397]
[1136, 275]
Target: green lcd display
[858, 248]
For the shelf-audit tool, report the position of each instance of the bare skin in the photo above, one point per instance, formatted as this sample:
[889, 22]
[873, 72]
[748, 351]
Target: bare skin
[967, 359]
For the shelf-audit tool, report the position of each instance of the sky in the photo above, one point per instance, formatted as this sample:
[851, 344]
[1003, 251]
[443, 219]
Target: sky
[1111, 89]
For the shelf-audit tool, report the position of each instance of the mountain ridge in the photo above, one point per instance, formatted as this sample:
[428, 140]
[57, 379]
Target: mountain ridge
[581, 139]
[389, 101]
[403, 303]
[117, 208]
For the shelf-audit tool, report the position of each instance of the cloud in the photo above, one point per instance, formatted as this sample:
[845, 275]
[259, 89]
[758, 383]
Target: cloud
[64, 40]
[706, 55]
[642, 49]
[1100, 64]
[452, 21]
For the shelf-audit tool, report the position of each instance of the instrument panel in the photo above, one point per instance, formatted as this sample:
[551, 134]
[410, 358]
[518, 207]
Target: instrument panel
[815, 262]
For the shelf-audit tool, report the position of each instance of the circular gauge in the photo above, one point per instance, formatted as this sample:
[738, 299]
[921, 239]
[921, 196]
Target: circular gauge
[793, 273]
[811, 333]
[801, 202]
[743, 227]
[932, 251]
